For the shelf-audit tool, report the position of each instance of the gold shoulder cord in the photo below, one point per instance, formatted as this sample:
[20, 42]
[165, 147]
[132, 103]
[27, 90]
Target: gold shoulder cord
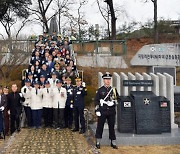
[114, 92]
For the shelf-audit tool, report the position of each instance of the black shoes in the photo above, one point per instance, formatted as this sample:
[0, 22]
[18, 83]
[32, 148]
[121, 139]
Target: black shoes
[75, 130]
[97, 145]
[18, 130]
[82, 131]
[114, 146]
[1, 137]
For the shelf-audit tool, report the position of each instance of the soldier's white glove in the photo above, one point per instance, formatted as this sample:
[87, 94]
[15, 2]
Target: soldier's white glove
[98, 113]
[20, 94]
[2, 108]
[71, 106]
[102, 102]
[9, 112]
[83, 84]
[110, 103]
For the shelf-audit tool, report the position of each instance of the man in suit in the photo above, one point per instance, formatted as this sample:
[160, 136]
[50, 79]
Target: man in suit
[14, 105]
[3, 103]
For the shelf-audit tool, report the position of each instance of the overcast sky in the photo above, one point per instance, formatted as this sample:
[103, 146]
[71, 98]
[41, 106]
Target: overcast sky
[136, 11]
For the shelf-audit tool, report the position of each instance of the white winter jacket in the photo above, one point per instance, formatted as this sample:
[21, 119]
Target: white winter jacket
[26, 94]
[36, 100]
[52, 82]
[59, 97]
[47, 97]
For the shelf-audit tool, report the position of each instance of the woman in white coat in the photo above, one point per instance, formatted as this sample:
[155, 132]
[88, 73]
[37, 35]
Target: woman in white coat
[47, 105]
[59, 100]
[36, 105]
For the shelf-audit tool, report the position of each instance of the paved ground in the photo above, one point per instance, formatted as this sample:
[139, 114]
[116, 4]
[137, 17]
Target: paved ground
[44, 141]
[50, 141]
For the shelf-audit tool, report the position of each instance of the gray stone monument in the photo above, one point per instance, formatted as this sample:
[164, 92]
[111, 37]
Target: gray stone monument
[139, 77]
[123, 89]
[131, 77]
[147, 77]
[170, 96]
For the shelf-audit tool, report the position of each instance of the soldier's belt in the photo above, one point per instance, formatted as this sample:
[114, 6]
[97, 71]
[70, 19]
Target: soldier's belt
[108, 103]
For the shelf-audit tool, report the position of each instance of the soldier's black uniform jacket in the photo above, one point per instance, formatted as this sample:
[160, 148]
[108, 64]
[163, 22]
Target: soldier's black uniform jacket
[70, 96]
[101, 94]
[79, 93]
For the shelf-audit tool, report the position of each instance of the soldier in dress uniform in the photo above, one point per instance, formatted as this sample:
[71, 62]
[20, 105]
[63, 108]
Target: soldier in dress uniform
[25, 90]
[79, 92]
[105, 103]
[69, 104]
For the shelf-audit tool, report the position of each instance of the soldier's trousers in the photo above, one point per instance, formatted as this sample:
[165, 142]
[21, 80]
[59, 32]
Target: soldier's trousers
[79, 114]
[100, 126]
[68, 114]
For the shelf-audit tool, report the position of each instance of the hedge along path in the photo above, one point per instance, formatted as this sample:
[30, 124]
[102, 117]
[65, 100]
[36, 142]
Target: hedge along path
[45, 141]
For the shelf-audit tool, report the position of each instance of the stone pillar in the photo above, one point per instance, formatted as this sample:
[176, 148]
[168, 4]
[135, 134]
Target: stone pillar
[100, 80]
[170, 96]
[131, 77]
[162, 85]
[123, 89]
[155, 88]
[139, 77]
[147, 77]
[116, 82]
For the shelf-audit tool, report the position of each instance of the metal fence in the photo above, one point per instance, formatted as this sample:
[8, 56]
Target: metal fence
[113, 47]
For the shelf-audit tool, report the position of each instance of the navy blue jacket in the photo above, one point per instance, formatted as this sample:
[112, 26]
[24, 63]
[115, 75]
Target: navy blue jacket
[79, 93]
[70, 95]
